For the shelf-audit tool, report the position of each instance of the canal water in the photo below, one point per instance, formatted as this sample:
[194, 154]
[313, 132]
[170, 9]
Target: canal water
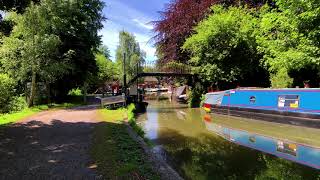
[210, 146]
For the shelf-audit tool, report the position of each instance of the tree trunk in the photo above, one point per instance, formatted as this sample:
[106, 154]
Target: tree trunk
[85, 90]
[48, 93]
[33, 89]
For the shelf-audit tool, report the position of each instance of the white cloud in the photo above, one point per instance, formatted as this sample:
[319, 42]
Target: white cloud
[133, 21]
[144, 25]
[110, 37]
[146, 45]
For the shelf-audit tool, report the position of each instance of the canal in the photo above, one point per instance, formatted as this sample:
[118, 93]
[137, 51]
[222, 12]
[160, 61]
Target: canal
[210, 146]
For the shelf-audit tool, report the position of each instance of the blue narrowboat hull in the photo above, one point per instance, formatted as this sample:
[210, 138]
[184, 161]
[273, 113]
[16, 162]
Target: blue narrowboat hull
[290, 106]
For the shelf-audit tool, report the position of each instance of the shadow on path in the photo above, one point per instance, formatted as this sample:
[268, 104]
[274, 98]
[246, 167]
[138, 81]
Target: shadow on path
[59, 150]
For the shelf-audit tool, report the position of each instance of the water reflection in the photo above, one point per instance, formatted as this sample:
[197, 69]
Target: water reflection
[151, 126]
[293, 151]
[206, 150]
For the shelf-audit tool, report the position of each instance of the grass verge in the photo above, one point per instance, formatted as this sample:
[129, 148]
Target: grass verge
[16, 116]
[132, 121]
[117, 155]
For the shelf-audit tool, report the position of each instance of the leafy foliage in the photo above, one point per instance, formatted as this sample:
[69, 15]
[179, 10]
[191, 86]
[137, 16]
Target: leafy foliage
[289, 36]
[6, 92]
[18, 6]
[176, 25]
[238, 44]
[75, 92]
[105, 51]
[77, 24]
[107, 70]
[129, 47]
[53, 41]
[17, 103]
[281, 79]
[178, 20]
[223, 48]
[30, 48]
[8, 101]
[9, 5]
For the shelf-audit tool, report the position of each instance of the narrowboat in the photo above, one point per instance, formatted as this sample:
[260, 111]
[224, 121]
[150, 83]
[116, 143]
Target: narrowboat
[291, 106]
[290, 150]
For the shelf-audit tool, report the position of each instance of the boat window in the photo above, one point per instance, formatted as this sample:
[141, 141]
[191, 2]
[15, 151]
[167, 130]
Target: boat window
[287, 148]
[252, 100]
[252, 139]
[289, 101]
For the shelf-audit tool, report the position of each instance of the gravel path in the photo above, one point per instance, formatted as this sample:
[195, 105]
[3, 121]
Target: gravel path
[50, 145]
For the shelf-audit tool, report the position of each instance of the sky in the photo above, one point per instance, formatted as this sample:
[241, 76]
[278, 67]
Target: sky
[133, 16]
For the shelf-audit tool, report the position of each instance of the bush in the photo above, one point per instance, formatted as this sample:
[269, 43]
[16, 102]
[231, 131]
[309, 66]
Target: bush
[131, 109]
[6, 92]
[17, 104]
[75, 92]
[203, 99]
[281, 79]
[195, 96]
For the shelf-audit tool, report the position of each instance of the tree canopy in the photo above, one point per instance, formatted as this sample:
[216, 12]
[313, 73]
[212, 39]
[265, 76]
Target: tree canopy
[178, 20]
[288, 36]
[223, 48]
[176, 25]
[130, 48]
[107, 69]
[243, 44]
[11, 5]
[54, 42]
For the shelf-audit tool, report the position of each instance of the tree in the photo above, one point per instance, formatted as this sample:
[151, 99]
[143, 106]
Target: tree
[289, 36]
[129, 47]
[77, 24]
[9, 5]
[54, 42]
[178, 21]
[176, 25]
[6, 91]
[29, 49]
[105, 51]
[223, 48]
[108, 70]
[17, 5]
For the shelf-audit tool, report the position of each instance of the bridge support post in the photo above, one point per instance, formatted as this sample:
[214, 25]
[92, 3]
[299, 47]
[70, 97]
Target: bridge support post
[124, 88]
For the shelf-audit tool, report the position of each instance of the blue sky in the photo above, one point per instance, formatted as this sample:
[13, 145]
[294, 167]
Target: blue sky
[133, 16]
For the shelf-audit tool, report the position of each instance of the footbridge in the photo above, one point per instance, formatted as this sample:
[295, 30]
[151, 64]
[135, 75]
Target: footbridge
[156, 69]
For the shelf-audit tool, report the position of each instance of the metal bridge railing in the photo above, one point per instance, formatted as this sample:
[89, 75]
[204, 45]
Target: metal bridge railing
[155, 67]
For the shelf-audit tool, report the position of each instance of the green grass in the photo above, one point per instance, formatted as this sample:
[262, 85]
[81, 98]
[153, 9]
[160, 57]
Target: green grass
[132, 121]
[116, 154]
[16, 116]
[63, 105]
[117, 115]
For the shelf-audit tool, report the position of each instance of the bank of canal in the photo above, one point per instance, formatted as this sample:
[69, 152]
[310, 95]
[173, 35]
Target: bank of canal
[202, 146]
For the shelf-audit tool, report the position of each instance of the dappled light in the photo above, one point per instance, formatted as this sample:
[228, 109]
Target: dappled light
[42, 150]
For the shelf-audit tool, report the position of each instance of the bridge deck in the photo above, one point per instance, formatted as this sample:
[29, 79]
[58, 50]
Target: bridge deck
[163, 74]
[159, 74]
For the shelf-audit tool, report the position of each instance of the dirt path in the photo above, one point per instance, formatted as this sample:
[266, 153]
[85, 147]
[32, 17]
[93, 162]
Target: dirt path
[50, 145]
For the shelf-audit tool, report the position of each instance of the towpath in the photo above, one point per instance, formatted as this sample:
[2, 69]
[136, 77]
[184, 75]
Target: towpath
[49, 145]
